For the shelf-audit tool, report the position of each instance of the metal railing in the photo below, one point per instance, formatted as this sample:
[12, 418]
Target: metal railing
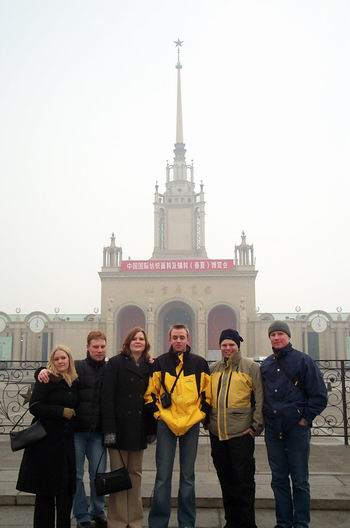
[17, 377]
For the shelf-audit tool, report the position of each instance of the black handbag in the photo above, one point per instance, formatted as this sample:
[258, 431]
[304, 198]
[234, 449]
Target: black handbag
[112, 482]
[25, 437]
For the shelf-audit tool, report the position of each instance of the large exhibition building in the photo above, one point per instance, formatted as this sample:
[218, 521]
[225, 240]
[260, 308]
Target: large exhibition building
[177, 284]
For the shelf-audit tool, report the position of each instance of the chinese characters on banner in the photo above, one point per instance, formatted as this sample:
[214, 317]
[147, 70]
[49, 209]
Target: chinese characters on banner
[177, 265]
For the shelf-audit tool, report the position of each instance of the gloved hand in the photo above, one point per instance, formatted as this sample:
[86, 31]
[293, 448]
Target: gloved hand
[110, 439]
[68, 413]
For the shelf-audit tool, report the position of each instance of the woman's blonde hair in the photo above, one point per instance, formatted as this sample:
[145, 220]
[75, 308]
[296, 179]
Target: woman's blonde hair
[71, 373]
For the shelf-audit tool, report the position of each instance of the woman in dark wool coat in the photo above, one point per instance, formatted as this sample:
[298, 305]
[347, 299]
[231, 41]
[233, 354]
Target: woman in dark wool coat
[126, 425]
[48, 466]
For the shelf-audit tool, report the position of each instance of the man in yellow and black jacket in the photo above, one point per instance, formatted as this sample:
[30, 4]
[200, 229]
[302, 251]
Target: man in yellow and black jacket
[236, 418]
[178, 397]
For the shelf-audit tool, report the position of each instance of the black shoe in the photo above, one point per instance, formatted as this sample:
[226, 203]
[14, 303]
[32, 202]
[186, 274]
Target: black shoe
[85, 524]
[100, 522]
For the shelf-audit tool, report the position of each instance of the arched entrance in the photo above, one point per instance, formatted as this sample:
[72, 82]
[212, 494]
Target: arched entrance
[219, 318]
[128, 318]
[176, 312]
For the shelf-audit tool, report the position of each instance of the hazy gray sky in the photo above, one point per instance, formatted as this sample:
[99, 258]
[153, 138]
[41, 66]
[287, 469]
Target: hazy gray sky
[87, 113]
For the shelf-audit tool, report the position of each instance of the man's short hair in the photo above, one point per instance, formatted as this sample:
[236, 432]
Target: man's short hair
[95, 334]
[178, 327]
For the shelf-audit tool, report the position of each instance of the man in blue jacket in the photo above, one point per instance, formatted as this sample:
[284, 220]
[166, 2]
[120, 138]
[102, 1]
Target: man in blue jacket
[294, 394]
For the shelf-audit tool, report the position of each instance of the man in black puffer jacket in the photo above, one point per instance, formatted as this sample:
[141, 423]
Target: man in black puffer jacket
[88, 438]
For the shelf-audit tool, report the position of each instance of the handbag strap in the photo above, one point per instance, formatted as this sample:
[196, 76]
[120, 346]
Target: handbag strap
[99, 462]
[23, 415]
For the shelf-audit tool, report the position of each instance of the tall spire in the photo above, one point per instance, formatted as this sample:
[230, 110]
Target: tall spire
[179, 213]
[180, 167]
[179, 128]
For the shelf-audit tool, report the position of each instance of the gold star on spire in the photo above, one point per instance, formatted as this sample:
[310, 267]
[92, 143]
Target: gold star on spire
[178, 43]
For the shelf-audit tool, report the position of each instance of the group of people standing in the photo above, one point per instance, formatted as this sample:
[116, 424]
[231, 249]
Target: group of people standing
[125, 403]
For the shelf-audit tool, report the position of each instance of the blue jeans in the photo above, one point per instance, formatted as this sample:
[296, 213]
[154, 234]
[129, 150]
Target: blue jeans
[165, 453]
[289, 460]
[89, 445]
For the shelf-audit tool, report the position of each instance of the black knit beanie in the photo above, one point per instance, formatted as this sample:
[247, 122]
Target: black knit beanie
[231, 334]
[279, 326]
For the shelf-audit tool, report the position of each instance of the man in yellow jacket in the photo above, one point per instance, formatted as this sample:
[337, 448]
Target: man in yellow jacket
[236, 418]
[177, 395]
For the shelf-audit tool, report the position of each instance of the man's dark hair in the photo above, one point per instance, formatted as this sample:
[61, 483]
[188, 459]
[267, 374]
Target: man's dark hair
[178, 327]
[95, 334]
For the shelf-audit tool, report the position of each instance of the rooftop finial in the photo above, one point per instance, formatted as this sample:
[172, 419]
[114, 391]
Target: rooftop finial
[179, 126]
[178, 43]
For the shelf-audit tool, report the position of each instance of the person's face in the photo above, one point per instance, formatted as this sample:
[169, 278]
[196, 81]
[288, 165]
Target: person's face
[179, 340]
[228, 348]
[61, 361]
[97, 349]
[138, 343]
[279, 339]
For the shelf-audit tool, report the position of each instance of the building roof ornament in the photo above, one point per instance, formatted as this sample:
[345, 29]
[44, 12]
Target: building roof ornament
[179, 123]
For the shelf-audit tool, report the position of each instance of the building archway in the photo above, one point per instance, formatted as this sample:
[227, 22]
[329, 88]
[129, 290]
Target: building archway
[175, 312]
[219, 318]
[128, 317]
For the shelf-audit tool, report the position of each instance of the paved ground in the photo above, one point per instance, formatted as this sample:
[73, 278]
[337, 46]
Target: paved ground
[329, 477]
[21, 517]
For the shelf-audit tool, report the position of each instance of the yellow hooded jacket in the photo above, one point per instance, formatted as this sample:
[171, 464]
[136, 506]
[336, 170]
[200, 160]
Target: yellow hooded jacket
[236, 397]
[190, 398]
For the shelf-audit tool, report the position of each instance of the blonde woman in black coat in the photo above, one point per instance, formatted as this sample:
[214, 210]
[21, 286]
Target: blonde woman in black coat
[125, 424]
[48, 466]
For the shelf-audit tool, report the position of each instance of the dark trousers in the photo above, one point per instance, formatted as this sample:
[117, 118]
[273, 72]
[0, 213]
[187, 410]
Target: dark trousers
[289, 463]
[235, 465]
[45, 507]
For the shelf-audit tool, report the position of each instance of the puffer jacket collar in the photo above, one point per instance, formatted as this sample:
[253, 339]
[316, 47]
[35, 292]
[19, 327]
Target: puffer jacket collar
[95, 364]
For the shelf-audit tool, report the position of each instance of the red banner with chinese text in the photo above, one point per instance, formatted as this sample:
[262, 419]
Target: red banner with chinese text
[183, 265]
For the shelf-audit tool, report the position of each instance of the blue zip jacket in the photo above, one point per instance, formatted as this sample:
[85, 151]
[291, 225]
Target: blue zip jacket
[293, 389]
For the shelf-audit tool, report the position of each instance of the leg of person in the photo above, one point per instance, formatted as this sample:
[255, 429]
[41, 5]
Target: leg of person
[44, 511]
[242, 464]
[165, 453]
[80, 502]
[63, 508]
[222, 463]
[135, 511]
[186, 511]
[298, 449]
[94, 450]
[280, 483]
[64, 497]
[118, 502]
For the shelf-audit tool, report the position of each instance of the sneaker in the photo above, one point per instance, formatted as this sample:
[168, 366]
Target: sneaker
[85, 524]
[100, 522]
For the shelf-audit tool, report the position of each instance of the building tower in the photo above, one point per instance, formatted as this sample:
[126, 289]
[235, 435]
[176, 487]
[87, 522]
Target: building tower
[179, 230]
[179, 283]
